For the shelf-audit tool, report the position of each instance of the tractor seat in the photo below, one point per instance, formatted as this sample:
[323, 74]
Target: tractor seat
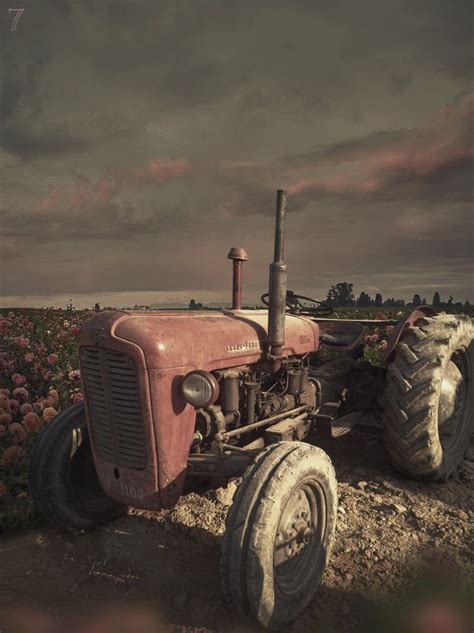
[342, 335]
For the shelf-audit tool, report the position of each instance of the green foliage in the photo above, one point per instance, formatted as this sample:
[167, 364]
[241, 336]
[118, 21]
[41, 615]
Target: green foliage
[341, 294]
[364, 300]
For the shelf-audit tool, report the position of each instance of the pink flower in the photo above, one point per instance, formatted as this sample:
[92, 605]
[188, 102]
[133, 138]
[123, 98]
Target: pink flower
[14, 405]
[3, 489]
[41, 349]
[5, 419]
[26, 408]
[12, 455]
[75, 330]
[26, 323]
[18, 431]
[18, 379]
[20, 392]
[4, 402]
[374, 338]
[45, 373]
[21, 341]
[31, 422]
[52, 359]
[74, 374]
[5, 392]
[53, 396]
[4, 324]
[49, 414]
[77, 397]
[29, 357]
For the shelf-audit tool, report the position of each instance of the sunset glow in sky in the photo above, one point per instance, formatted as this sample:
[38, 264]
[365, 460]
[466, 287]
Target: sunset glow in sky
[139, 141]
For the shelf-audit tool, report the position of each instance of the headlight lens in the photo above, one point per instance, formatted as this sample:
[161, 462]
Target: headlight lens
[200, 388]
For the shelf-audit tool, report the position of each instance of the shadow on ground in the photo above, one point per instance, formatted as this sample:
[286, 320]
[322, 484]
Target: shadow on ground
[151, 572]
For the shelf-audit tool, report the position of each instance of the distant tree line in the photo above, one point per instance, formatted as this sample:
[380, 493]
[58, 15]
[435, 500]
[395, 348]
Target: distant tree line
[342, 295]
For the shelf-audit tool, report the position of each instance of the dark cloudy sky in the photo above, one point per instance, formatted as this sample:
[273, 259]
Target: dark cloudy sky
[141, 140]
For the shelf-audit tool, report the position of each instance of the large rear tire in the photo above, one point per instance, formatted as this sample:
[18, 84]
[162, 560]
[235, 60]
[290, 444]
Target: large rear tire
[429, 399]
[63, 479]
[279, 533]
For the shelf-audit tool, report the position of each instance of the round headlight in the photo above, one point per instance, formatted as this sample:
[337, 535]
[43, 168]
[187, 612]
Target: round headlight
[200, 388]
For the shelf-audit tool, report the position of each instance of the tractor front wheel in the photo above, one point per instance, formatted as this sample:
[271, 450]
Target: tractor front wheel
[279, 533]
[429, 399]
[63, 479]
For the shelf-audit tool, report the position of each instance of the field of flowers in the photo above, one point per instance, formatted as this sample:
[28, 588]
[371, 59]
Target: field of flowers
[39, 377]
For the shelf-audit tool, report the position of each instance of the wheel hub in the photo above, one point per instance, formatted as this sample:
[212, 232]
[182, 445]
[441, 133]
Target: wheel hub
[294, 529]
[298, 537]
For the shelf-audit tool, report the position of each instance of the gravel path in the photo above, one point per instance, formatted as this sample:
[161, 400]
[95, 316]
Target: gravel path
[403, 559]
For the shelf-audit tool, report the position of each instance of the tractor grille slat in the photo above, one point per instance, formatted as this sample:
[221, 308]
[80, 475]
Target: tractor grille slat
[112, 391]
[122, 395]
[121, 408]
[134, 443]
[95, 392]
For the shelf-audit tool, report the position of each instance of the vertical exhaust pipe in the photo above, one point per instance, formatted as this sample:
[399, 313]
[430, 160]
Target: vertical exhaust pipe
[278, 283]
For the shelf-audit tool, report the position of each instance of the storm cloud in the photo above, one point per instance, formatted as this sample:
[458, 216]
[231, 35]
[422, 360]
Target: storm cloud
[140, 141]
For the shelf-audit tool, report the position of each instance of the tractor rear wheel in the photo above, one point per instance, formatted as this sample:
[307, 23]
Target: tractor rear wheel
[279, 533]
[63, 479]
[429, 399]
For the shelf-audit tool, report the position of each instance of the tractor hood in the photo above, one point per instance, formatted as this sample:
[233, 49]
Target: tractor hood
[201, 339]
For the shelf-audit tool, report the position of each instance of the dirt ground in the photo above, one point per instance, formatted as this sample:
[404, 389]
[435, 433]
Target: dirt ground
[403, 560]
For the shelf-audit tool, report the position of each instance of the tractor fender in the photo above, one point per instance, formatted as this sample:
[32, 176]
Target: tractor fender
[400, 328]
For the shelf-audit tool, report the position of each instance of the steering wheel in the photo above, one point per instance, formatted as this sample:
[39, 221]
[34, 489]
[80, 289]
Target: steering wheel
[321, 309]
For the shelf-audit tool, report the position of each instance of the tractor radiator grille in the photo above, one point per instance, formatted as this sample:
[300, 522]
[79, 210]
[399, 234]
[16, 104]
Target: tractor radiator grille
[111, 388]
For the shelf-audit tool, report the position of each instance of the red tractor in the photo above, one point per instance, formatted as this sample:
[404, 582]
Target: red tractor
[173, 398]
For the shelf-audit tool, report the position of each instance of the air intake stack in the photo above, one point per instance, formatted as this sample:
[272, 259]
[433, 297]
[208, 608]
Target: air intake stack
[278, 283]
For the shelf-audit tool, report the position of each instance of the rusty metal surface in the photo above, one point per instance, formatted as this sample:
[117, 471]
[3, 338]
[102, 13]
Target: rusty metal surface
[212, 340]
[165, 346]
[226, 435]
[370, 322]
[238, 257]
[278, 283]
[289, 429]
[397, 334]
[132, 486]
[236, 285]
[111, 386]
[237, 253]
